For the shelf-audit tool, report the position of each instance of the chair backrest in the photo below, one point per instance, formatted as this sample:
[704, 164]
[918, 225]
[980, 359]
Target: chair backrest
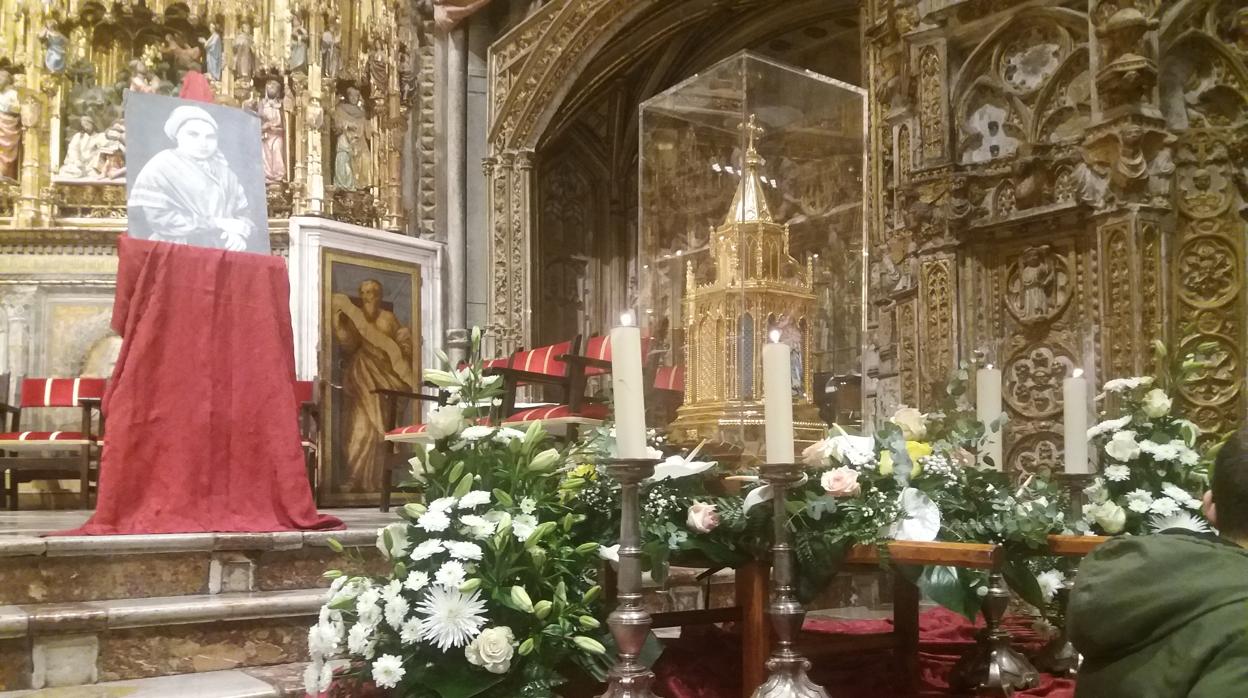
[60, 392]
[670, 378]
[544, 360]
[599, 347]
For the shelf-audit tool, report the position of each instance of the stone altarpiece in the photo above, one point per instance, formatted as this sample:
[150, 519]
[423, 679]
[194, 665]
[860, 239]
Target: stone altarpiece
[1056, 184]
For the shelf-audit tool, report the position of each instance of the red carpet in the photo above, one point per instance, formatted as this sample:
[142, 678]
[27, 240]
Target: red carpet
[705, 662]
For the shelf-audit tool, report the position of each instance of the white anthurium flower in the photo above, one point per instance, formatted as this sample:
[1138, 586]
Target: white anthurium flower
[758, 495]
[1123, 447]
[922, 516]
[674, 467]
[818, 453]
[1156, 403]
[853, 450]
[610, 553]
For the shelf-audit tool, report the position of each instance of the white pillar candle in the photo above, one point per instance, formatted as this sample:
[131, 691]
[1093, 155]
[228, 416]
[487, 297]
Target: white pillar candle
[1075, 422]
[628, 389]
[988, 409]
[778, 400]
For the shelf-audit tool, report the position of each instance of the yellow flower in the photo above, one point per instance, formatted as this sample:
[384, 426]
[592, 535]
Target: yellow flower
[886, 463]
[917, 450]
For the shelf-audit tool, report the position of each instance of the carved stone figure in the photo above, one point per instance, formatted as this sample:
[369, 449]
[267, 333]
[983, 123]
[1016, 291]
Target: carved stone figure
[82, 155]
[353, 162]
[141, 78]
[1036, 276]
[113, 152]
[214, 52]
[378, 67]
[329, 52]
[244, 53]
[273, 133]
[181, 56]
[298, 47]
[409, 71]
[10, 126]
[55, 46]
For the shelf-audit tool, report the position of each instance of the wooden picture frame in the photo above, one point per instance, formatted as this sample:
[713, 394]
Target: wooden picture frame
[370, 338]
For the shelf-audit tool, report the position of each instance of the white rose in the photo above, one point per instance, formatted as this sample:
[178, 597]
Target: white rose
[445, 421]
[702, 517]
[913, 423]
[1123, 447]
[1110, 517]
[1156, 403]
[492, 650]
[398, 541]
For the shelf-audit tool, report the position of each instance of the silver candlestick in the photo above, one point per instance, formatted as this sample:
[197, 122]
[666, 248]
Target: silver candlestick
[992, 665]
[787, 666]
[629, 622]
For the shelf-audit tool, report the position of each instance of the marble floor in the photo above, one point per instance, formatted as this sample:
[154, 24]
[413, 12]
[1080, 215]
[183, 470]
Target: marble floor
[31, 523]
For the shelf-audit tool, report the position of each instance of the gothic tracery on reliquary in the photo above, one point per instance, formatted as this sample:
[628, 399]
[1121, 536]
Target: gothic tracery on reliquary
[1060, 184]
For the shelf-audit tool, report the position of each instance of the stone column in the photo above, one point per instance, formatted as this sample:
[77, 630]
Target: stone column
[17, 302]
[456, 192]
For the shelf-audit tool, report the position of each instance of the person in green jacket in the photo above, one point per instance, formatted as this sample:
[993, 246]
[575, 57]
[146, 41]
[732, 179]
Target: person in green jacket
[1166, 615]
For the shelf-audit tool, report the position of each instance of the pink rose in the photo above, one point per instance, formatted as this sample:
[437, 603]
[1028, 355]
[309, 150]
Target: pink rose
[841, 482]
[702, 517]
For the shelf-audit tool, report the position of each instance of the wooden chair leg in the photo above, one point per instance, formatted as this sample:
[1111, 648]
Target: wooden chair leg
[906, 632]
[387, 477]
[751, 591]
[12, 490]
[84, 478]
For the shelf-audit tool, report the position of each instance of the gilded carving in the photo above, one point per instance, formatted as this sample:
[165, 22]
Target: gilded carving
[908, 353]
[1033, 381]
[1037, 285]
[931, 104]
[1119, 321]
[938, 317]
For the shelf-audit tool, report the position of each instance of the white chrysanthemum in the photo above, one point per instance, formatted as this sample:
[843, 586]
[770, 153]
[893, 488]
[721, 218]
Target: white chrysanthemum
[416, 580]
[427, 549]
[409, 634]
[392, 591]
[317, 677]
[1117, 473]
[478, 527]
[474, 499]
[1180, 495]
[388, 671]
[1184, 520]
[396, 612]
[1109, 425]
[450, 574]
[1141, 495]
[360, 641]
[442, 504]
[323, 639]
[505, 435]
[528, 505]
[523, 525]
[368, 609]
[461, 550]
[434, 521]
[1139, 506]
[1188, 457]
[1050, 582]
[1164, 506]
[452, 618]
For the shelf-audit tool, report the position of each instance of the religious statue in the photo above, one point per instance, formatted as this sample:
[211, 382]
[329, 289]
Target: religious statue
[409, 86]
[55, 46]
[141, 78]
[378, 355]
[329, 53]
[272, 133]
[113, 152]
[1035, 281]
[244, 53]
[353, 164]
[791, 335]
[10, 126]
[82, 155]
[179, 55]
[378, 67]
[214, 52]
[298, 47]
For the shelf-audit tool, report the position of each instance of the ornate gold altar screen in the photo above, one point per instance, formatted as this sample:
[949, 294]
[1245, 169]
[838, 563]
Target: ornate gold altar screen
[335, 83]
[751, 225]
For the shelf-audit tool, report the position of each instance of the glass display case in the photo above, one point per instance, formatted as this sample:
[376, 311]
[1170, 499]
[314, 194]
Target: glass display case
[751, 223]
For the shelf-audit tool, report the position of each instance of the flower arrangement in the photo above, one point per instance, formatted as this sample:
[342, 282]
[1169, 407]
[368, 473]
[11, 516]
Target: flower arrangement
[489, 593]
[1152, 469]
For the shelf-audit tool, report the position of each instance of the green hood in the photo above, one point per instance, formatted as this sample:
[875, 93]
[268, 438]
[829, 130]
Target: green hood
[1133, 592]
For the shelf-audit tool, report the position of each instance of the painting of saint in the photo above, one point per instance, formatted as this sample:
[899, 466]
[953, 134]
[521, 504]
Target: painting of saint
[370, 310]
[194, 174]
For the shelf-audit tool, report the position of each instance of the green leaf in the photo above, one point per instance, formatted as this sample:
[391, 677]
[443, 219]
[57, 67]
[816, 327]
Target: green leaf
[945, 586]
[717, 552]
[464, 486]
[334, 545]
[1024, 583]
[456, 679]
[504, 498]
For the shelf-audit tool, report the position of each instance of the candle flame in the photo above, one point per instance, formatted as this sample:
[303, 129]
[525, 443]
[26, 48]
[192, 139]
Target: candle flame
[626, 319]
[988, 366]
[775, 336]
[1077, 374]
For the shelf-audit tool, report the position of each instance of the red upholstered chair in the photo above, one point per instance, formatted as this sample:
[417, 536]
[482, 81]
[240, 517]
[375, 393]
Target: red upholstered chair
[308, 401]
[52, 455]
[666, 395]
[392, 456]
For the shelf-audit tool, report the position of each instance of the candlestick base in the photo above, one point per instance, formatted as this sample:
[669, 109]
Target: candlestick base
[993, 665]
[787, 679]
[1059, 657]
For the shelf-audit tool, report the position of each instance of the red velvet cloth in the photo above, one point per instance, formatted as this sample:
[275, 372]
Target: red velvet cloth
[705, 662]
[202, 433]
[195, 86]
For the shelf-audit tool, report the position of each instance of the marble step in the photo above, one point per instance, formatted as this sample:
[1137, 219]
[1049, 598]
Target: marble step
[92, 568]
[281, 681]
[70, 644]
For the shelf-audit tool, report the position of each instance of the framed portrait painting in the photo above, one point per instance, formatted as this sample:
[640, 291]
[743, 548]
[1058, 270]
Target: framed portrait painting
[370, 339]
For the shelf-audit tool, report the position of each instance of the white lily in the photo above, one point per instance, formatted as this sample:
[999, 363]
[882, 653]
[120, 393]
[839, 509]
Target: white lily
[674, 467]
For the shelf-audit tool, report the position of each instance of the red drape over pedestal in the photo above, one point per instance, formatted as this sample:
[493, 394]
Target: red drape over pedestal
[202, 433]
